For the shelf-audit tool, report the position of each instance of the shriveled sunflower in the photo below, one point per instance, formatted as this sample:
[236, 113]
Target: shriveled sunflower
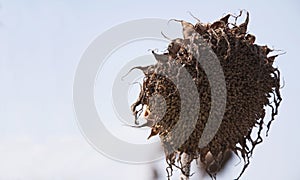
[252, 84]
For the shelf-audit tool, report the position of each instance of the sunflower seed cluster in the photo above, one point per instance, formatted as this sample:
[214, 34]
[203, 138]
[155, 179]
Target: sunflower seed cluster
[252, 85]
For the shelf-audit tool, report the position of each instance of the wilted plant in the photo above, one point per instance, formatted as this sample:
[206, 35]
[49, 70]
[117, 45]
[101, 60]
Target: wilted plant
[252, 85]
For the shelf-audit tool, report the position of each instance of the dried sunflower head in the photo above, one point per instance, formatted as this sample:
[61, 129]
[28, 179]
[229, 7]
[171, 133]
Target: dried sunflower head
[249, 79]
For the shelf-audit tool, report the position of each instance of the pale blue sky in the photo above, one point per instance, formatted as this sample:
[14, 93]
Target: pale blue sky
[41, 45]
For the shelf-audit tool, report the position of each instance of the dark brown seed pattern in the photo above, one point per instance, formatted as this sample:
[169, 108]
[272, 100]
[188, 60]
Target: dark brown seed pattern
[252, 85]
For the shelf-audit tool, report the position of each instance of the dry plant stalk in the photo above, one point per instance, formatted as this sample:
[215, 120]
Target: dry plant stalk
[252, 85]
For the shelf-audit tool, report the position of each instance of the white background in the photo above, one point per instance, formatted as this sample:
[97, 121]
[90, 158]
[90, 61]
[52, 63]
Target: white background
[41, 43]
